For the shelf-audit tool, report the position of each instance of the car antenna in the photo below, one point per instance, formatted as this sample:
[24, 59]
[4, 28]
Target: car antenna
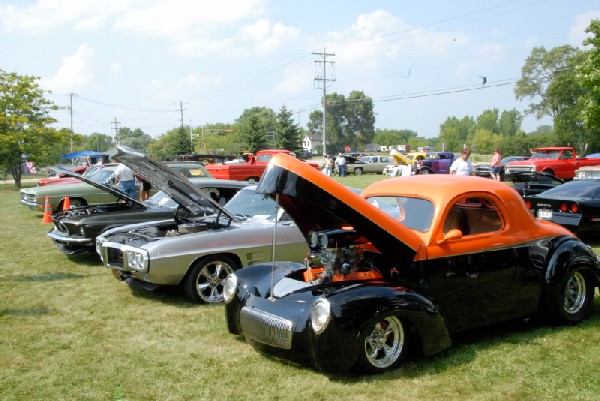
[271, 297]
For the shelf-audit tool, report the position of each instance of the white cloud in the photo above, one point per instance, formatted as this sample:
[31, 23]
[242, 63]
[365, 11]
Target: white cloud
[264, 36]
[295, 81]
[577, 31]
[74, 72]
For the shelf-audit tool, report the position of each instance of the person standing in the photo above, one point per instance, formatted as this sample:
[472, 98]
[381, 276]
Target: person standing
[462, 165]
[340, 162]
[126, 178]
[495, 170]
[327, 166]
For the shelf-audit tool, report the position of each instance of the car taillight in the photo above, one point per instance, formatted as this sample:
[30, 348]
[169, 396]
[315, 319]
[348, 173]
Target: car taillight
[574, 208]
[528, 204]
[563, 207]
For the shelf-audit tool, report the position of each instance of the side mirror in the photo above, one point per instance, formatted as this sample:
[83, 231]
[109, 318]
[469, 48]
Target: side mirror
[452, 235]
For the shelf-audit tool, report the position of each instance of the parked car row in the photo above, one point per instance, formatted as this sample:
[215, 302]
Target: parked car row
[344, 279]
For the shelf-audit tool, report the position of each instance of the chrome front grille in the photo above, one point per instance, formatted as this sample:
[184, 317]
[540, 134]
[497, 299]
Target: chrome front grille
[266, 328]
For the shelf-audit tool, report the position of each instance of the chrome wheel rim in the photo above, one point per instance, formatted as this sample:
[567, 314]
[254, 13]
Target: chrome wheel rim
[384, 344]
[575, 293]
[211, 280]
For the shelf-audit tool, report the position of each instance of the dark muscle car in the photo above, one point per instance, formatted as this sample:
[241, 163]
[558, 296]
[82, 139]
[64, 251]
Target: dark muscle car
[402, 267]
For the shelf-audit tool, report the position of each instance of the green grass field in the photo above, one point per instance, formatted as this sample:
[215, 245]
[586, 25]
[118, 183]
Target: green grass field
[70, 331]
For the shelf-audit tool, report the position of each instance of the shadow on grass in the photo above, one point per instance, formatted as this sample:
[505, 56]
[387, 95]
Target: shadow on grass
[169, 295]
[465, 349]
[24, 312]
[86, 259]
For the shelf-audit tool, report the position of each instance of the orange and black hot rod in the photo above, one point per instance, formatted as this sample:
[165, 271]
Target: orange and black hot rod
[402, 267]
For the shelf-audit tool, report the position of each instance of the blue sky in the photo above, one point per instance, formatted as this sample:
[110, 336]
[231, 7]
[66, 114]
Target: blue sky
[137, 61]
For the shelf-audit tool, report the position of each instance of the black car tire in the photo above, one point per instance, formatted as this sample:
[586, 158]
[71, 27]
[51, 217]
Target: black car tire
[572, 301]
[424, 171]
[358, 171]
[383, 343]
[204, 281]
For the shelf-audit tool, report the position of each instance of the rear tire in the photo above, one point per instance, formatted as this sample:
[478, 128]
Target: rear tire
[204, 282]
[572, 301]
[358, 171]
[384, 344]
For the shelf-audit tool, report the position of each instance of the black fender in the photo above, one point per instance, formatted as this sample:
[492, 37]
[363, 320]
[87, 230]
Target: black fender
[353, 306]
[568, 255]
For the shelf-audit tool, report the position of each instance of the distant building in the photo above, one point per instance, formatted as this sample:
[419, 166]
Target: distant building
[310, 142]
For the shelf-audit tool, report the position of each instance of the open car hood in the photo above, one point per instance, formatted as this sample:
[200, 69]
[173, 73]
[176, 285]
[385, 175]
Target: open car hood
[400, 158]
[317, 202]
[179, 188]
[108, 188]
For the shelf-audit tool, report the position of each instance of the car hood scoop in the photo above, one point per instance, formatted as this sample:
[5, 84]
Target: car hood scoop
[316, 202]
[180, 189]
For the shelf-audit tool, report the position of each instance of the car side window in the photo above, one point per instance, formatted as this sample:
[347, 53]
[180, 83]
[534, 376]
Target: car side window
[473, 216]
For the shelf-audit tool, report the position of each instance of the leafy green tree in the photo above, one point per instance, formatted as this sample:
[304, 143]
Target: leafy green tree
[98, 142]
[287, 134]
[170, 145]
[538, 73]
[454, 133]
[359, 129]
[510, 122]
[24, 121]
[252, 134]
[139, 140]
[390, 137]
[588, 74]
[488, 120]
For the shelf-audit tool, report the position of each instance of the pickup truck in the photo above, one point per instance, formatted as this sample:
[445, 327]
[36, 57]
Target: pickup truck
[250, 170]
[560, 161]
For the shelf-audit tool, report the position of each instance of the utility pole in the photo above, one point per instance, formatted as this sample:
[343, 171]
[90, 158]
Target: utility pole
[116, 128]
[323, 79]
[71, 112]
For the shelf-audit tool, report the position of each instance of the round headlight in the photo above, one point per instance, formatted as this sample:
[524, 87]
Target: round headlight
[320, 315]
[323, 240]
[229, 287]
[313, 239]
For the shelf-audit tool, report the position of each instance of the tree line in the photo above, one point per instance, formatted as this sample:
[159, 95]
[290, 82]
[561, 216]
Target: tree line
[562, 83]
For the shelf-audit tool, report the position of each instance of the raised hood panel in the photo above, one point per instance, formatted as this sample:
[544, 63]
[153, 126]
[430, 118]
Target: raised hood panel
[317, 202]
[179, 188]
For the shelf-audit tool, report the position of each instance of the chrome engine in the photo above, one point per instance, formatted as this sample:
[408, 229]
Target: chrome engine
[335, 256]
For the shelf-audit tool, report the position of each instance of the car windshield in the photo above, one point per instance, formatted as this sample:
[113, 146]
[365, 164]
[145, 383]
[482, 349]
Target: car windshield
[102, 175]
[251, 205]
[545, 154]
[576, 189]
[161, 199]
[414, 213]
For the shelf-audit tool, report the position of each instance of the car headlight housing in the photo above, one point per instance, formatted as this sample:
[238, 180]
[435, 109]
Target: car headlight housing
[229, 287]
[135, 260]
[320, 315]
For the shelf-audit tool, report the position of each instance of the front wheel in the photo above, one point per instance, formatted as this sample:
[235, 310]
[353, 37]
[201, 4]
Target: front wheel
[358, 171]
[573, 300]
[383, 344]
[424, 171]
[204, 282]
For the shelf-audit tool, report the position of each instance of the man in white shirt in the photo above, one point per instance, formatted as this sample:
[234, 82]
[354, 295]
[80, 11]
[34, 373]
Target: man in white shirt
[126, 179]
[462, 165]
[340, 162]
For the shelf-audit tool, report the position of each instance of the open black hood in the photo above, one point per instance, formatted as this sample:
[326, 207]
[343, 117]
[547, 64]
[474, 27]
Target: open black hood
[317, 202]
[179, 188]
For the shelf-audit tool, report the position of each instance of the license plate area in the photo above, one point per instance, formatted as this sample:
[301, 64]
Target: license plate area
[545, 214]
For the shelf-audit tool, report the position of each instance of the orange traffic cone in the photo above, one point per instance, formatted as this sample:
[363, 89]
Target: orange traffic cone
[47, 211]
[66, 204]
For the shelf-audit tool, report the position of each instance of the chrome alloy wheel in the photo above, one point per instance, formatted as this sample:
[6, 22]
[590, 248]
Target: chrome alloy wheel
[385, 343]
